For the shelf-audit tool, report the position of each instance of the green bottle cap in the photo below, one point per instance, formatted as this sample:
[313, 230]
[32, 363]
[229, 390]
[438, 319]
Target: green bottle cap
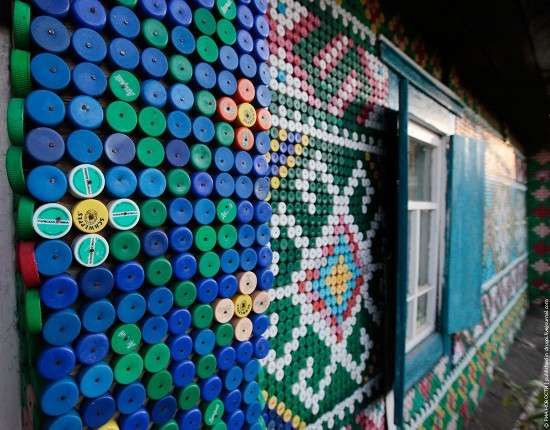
[205, 238]
[220, 425]
[185, 294]
[153, 213]
[124, 245]
[123, 214]
[207, 49]
[226, 32]
[226, 210]
[14, 169]
[225, 135]
[20, 72]
[128, 368]
[206, 366]
[224, 334]
[189, 397]
[169, 425]
[179, 182]
[202, 316]
[150, 152]
[33, 311]
[124, 85]
[16, 121]
[121, 117]
[205, 103]
[152, 121]
[21, 24]
[213, 412]
[209, 264]
[201, 156]
[154, 32]
[50, 221]
[157, 357]
[159, 385]
[227, 236]
[125, 339]
[180, 68]
[204, 21]
[158, 271]
[128, 3]
[227, 9]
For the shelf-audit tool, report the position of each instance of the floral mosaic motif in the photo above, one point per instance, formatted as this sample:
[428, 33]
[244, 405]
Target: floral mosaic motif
[538, 203]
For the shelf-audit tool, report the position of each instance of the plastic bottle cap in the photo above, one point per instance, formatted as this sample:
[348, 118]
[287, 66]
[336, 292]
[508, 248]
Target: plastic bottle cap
[86, 181]
[125, 339]
[90, 250]
[52, 221]
[243, 305]
[247, 282]
[123, 214]
[90, 216]
[243, 329]
[124, 85]
[224, 309]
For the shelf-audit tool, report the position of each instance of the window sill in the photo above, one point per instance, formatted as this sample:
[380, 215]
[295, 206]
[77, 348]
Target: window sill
[422, 358]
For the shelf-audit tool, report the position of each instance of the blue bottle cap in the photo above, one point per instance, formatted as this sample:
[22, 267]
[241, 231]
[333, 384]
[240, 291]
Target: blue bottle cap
[179, 320]
[154, 329]
[47, 183]
[178, 125]
[139, 420]
[245, 43]
[224, 159]
[120, 181]
[91, 348]
[153, 93]
[53, 257]
[243, 163]
[96, 282]
[89, 13]
[249, 259]
[180, 97]
[244, 187]
[163, 410]
[227, 83]
[235, 420]
[159, 300]
[98, 411]
[261, 142]
[180, 347]
[183, 40]
[232, 378]
[89, 79]
[205, 76]
[265, 256]
[202, 184]
[151, 182]
[230, 261]
[129, 398]
[85, 112]
[204, 211]
[207, 290]
[225, 357]
[208, 4]
[190, 420]
[251, 370]
[263, 234]
[153, 8]
[245, 211]
[184, 266]
[130, 307]
[181, 239]
[154, 242]
[260, 323]
[246, 235]
[261, 347]
[245, 17]
[265, 277]
[124, 22]
[84, 146]
[244, 352]
[154, 63]
[177, 151]
[261, 26]
[88, 45]
[70, 420]
[119, 148]
[59, 397]
[251, 392]
[232, 401]
[180, 211]
[253, 412]
[55, 362]
[129, 276]
[123, 54]
[248, 66]
[97, 316]
[263, 95]
[261, 50]
[58, 8]
[59, 292]
[44, 107]
[211, 388]
[261, 168]
[203, 341]
[224, 184]
[260, 6]
[264, 74]
[262, 212]
[50, 34]
[179, 13]
[183, 372]
[203, 129]
[50, 71]
[227, 286]
[228, 58]
[95, 380]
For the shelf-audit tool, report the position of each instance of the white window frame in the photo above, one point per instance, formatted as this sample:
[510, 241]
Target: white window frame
[414, 334]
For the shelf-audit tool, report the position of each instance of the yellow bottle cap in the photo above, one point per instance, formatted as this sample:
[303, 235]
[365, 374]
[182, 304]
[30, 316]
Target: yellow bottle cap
[90, 216]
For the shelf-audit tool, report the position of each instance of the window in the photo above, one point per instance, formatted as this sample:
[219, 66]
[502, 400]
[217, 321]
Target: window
[425, 208]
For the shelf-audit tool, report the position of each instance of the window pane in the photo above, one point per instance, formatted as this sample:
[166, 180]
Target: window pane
[410, 318]
[420, 171]
[422, 312]
[412, 252]
[424, 248]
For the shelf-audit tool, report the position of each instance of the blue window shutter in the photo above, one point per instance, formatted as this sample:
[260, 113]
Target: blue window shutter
[465, 201]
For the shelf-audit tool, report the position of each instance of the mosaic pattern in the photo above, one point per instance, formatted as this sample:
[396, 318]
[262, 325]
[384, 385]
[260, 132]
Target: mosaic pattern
[538, 202]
